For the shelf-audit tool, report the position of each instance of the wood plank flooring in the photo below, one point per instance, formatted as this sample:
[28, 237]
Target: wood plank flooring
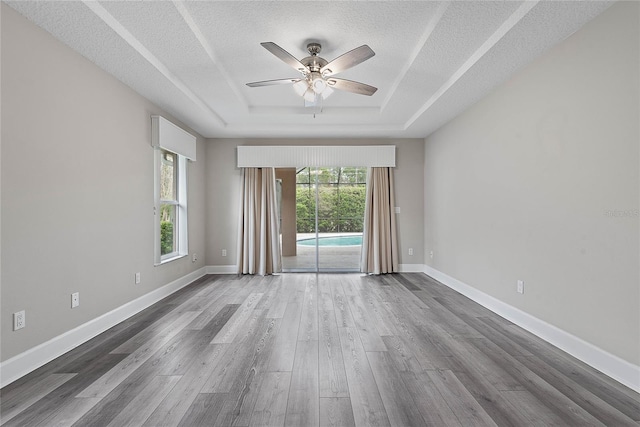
[317, 349]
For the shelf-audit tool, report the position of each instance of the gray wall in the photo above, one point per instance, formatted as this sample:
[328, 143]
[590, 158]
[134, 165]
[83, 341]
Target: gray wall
[77, 189]
[223, 186]
[539, 182]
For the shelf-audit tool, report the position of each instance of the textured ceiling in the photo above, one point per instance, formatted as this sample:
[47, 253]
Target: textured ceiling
[193, 59]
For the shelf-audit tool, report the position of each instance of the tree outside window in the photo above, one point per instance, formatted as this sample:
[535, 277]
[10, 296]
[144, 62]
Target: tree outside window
[168, 203]
[341, 199]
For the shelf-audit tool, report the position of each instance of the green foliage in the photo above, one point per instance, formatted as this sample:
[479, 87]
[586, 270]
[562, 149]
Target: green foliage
[340, 208]
[166, 212]
[341, 199]
[305, 209]
[166, 237]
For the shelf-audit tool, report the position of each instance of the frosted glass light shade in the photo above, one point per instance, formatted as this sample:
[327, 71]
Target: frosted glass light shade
[310, 95]
[326, 92]
[301, 87]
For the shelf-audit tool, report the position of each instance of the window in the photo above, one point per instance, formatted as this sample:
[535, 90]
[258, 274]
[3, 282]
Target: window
[172, 147]
[170, 207]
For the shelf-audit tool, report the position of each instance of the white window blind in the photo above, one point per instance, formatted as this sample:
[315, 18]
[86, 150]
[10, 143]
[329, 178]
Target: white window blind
[170, 137]
[278, 156]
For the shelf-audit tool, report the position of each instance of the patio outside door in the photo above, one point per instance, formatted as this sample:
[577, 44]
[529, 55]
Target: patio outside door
[329, 213]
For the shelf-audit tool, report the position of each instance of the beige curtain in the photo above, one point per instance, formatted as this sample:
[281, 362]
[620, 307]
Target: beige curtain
[258, 236]
[379, 240]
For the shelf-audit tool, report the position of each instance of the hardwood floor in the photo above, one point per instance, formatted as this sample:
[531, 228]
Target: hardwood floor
[308, 350]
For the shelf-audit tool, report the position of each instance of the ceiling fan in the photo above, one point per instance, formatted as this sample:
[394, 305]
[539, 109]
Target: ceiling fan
[317, 79]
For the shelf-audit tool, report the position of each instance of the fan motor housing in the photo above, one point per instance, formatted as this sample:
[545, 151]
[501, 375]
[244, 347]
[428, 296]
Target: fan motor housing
[314, 62]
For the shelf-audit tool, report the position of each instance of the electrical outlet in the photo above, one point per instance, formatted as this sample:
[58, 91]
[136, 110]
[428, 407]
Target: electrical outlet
[19, 320]
[431, 254]
[224, 252]
[75, 299]
[410, 251]
[520, 287]
[138, 278]
[194, 258]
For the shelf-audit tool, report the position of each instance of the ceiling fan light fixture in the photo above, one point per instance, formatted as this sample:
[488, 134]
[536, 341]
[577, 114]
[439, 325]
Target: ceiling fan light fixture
[301, 87]
[318, 84]
[326, 92]
[310, 95]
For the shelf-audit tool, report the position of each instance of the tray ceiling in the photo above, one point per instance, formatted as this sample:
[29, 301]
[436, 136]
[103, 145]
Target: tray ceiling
[433, 59]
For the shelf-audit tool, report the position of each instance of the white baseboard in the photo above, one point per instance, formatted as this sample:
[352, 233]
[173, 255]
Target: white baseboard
[222, 269]
[233, 269]
[620, 370]
[23, 363]
[411, 268]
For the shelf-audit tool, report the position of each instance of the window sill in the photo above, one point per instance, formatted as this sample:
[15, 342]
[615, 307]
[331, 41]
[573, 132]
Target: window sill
[173, 258]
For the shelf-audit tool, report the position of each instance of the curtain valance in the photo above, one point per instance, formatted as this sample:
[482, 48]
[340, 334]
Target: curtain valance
[287, 156]
[170, 137]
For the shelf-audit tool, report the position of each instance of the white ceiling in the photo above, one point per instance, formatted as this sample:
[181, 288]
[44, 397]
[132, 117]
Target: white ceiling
[193, 58]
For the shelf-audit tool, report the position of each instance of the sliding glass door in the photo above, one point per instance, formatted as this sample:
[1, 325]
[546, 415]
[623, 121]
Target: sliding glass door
[329, 212]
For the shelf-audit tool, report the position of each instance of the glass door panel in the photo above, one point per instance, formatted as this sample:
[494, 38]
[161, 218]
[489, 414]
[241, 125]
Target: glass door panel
[341, 198]
[329, 205]
[306, 201]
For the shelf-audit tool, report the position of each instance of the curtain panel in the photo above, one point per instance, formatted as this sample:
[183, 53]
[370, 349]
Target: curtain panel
[258, 235]
[379, 239]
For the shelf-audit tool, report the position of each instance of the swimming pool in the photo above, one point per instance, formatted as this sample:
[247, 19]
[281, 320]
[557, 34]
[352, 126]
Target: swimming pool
[333, 241]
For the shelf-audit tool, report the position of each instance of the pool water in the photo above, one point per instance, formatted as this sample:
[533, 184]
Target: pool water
[333, 241]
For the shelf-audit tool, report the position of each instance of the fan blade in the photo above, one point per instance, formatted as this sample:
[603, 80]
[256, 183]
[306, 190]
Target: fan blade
[285, 56]
[273, 82]
[348, 60]
[351, 86]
